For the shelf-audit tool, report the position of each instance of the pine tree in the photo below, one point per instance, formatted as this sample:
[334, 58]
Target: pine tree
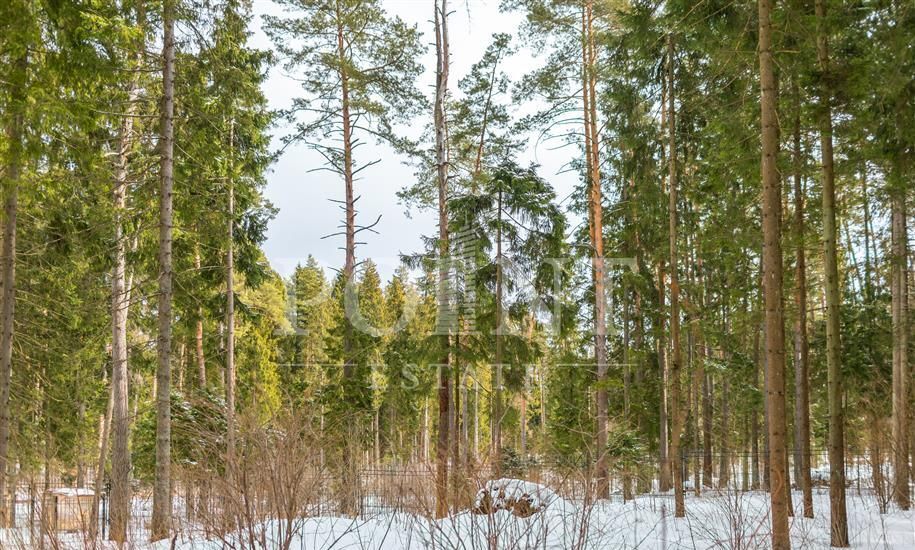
[17, 42]
[838, 520]
[162, 493]
[481, 123]
[517, 228]
[345, 93]
[678, 411]
[772, 282]
[120, 303]
[442, 154]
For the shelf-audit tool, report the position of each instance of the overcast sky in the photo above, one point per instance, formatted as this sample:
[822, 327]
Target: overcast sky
[301, 194]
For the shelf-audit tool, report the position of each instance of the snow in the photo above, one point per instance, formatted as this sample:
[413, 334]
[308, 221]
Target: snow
[714, 520]
[735, 520]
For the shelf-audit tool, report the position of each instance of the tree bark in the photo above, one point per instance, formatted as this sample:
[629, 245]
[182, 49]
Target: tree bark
[838, 518]
[162, 501]
[772, 282]
[118, 419]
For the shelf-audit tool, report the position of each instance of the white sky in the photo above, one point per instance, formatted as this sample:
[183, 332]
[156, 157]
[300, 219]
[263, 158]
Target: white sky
[305, 214]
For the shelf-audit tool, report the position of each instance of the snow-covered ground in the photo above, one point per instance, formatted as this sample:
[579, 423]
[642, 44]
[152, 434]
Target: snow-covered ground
[738, 521]
[729, 521]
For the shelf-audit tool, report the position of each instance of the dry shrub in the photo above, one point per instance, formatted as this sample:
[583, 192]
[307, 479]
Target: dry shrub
[258, 496]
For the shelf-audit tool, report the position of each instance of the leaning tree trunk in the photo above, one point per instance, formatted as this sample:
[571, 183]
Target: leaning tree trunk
[675, 353]
[441, 155]
[801, 347]
[772, 283]
[162, 499]
[838, 518]
[10, 191]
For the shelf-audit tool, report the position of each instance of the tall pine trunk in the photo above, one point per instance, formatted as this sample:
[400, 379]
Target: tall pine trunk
[230, 301]
[664, 473]
[676, 431]
[118, 417]
[162, 499]
[801, 346]
[772, 283]
[350, 447]
[595, 216]
[497, 413]
[441, 161]
[900, 351]
[838, 518]
[10, 189]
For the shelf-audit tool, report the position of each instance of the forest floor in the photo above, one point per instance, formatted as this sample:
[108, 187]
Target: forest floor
[737, 520]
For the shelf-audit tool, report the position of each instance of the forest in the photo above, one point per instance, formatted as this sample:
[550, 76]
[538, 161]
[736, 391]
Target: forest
[704, 344]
